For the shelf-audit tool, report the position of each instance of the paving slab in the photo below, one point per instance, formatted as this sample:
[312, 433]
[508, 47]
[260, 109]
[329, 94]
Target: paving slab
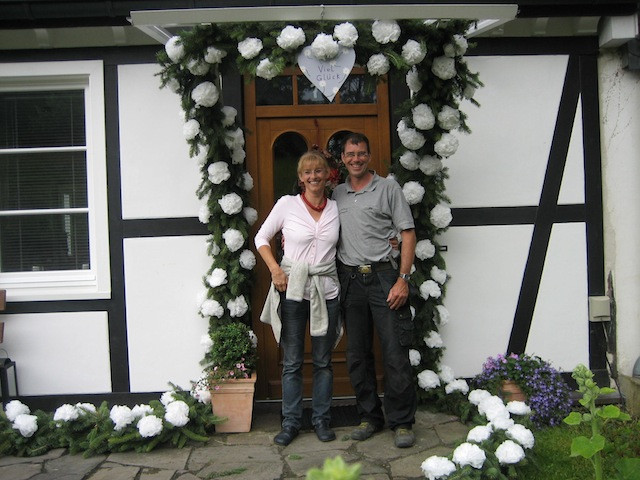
[115, 472]
[452, 433]
[162, 458]
[20, 471]
[73, 464]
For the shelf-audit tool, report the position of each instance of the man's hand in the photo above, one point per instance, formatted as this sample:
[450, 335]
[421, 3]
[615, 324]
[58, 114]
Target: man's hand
[398, 294]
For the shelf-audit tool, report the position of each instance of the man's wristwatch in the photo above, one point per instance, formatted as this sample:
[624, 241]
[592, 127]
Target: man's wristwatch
[404, 276]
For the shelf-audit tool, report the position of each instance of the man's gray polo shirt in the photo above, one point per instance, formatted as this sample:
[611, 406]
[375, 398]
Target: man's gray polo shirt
[369, 218]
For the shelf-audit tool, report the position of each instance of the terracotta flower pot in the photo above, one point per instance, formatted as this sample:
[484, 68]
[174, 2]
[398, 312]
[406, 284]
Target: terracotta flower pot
[510, 391]
[233, 400]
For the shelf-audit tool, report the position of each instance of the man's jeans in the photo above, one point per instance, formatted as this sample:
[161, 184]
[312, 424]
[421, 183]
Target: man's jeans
[295, 317]
[365, 305]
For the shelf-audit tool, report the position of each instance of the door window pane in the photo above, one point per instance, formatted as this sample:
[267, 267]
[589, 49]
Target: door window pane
[356, 89]
[277, 91]
[308, 94]
[287, 150]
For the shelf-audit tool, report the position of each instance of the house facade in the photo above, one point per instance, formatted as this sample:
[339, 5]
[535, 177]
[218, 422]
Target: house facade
[102, 254]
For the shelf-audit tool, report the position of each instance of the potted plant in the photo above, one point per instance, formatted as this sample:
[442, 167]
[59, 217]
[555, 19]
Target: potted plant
[546, 391]
[230, 375]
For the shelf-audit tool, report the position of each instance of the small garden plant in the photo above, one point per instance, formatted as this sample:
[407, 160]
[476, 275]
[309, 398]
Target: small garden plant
[596, 417]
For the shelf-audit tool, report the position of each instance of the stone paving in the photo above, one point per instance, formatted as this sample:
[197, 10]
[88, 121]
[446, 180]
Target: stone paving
[251, 456]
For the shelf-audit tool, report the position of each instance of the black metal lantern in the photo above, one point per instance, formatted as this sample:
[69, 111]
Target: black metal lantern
[8, 380]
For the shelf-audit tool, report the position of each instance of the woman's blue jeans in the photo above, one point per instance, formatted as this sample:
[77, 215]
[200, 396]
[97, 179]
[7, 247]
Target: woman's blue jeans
[295, 317]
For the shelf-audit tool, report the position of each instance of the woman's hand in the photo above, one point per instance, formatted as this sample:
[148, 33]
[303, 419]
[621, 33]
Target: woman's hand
[279, 279]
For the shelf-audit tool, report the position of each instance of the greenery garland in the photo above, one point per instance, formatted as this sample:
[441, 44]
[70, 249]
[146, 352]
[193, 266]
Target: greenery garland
[429, 53]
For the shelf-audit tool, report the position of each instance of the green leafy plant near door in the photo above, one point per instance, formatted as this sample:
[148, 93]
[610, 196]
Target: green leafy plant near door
[592, 448]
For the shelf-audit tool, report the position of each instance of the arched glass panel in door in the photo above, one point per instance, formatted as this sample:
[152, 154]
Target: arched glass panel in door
[286, 152]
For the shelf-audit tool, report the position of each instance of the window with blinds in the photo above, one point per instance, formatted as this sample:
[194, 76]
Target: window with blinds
[44, 211]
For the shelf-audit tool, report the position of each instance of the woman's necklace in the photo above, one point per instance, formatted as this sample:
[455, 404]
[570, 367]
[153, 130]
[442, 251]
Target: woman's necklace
[319, 208]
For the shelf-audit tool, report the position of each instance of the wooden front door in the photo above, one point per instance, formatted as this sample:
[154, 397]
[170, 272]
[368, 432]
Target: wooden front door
[276, 137]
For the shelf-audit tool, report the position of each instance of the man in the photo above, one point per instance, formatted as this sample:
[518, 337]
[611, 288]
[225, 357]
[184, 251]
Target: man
[374, 291]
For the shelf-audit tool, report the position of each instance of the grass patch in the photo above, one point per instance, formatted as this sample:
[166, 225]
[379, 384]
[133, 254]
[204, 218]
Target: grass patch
[226, 473]
[551, 458]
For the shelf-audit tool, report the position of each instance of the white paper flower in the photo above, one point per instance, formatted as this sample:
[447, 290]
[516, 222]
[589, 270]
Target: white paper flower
[440, 216]
[214, 55]
[250, 214]
[436, 467]
[249, 47]
[516, 407]
[267, 69]
[84, 408]
[430, 165]
[121, 416]
[444, 67]
[290, 38]
[233, 239]
[446, 146]
[234, 139]
[206, 341]
[346, 34]
[413, 52]
[433, 339]
[410, 137]
[203, 395]
[230, 114]
[522, 435]
[191, 129]
[469, 454]
[409, 160]
[477, 395]
[425, 249]
[231, 203]
[428, 379]
[177, 413]
[211, 308]
[488, 402]
[204, 214]
[509, 452]
[449, 118]
[385, 31]
[413, 192]
[198, 67]
[205, 95]
[149, 426]
[246, 181]
[469, 91]
[459, 385]
[66, 413]
[441, 315]
[247, 260]
[26, 424]
[167, 397]
[141, 410]
[413, 80]
[201, 156]
[324, 47]
[438, 275]
[458, 46]
[238, 306]
[15, 408]
[218, 277]
[218, 172]
[174, 49]
[429, 288]
[423, 117]
[479, 433]
[446, 374]
[253, 338]
[378, 64]
[238, 155]
[173, 84]
[213, 248]
[414, 357]
[502, 423]
[449, 50]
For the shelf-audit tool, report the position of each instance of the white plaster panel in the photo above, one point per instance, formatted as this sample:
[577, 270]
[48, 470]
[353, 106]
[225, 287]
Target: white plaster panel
[502, 163]
[163, 280]
[572, 187]
[486, 265]
[159, 179]
[59, 353]
[560, 326]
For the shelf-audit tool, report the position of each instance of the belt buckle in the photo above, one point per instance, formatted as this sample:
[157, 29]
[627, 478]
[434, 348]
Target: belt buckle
[365, 268]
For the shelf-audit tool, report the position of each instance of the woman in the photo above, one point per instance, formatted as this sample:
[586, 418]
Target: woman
[304, 287]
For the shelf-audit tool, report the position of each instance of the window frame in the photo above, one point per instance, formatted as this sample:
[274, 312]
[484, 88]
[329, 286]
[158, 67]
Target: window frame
[94, 283]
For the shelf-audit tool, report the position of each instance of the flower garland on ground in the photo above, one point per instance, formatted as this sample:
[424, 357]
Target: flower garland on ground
[429, 54]
[176, 418]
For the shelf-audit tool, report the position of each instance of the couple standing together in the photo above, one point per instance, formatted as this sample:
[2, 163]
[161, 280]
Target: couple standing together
[338, 258]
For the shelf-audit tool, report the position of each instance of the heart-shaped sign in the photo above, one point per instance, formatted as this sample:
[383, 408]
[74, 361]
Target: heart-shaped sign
[327, 75]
